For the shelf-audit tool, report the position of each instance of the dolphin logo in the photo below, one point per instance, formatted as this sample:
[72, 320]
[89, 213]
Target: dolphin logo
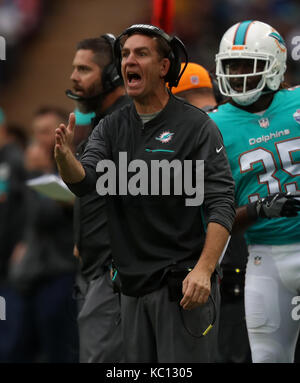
[165, 137]
[279, 40]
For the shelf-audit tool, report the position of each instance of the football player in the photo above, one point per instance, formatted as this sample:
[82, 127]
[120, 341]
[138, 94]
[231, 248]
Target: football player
[260, 125]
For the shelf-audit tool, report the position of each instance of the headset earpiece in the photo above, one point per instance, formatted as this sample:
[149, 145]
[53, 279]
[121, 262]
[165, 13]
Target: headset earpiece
[110, 76]
[173, 76]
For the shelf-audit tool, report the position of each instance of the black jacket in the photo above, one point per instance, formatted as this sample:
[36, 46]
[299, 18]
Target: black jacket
[151, 233]
[90, 220]
[49, 241]
[13, 199]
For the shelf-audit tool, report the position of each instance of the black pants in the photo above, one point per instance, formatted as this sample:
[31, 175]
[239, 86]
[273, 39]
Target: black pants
[99, 323]
[154, 329]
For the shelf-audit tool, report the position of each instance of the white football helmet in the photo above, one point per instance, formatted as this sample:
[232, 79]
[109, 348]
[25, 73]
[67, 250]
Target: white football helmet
[251, 40]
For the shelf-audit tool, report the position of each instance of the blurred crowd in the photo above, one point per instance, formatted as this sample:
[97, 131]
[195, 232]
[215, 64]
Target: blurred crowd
[201, 24]
[20, 20]
[37, 269]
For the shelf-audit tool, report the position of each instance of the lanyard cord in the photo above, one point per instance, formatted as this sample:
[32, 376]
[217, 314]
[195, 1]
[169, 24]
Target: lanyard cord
[210, 326]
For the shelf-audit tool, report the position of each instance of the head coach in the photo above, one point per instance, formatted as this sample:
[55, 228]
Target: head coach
[165, 252]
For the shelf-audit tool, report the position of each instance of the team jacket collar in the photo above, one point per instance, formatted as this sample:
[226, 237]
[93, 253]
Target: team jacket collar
[160, 117]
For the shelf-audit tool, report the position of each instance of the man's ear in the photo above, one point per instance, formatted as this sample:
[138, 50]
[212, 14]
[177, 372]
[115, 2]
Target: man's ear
[165, 66]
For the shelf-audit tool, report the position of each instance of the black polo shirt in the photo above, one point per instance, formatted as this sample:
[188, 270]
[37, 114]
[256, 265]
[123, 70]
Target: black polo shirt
[151, 233]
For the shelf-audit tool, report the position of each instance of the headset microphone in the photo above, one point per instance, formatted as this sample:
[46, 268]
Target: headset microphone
[78, 98]
[74, 96]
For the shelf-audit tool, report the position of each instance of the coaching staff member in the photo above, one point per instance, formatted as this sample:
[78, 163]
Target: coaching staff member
[154, 238]
[97, 88]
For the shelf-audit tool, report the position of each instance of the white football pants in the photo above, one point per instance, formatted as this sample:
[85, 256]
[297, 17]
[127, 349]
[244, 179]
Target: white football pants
[272, 302]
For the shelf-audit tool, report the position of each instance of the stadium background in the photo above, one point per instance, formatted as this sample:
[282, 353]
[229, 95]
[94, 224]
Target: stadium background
[41, 36]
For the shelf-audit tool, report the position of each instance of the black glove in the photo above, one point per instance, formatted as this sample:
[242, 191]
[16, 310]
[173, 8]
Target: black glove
[275, 206]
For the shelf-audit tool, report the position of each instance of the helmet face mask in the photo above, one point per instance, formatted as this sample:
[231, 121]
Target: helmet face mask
[258, 44]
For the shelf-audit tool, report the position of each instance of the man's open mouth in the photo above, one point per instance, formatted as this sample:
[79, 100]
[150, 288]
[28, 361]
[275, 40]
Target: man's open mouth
[133, 77]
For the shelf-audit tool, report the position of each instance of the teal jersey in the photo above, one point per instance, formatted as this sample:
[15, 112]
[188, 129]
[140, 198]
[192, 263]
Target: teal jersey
[264, 155]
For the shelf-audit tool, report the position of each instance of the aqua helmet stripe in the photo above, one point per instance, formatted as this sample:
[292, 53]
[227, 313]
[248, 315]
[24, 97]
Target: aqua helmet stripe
[241, 32]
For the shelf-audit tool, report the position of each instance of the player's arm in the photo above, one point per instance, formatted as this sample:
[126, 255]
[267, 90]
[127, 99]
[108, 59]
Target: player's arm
[274, 206]
[243, 219]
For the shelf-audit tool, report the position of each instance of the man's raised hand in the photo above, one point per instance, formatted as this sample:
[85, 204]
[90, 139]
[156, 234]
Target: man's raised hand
[64, 136]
